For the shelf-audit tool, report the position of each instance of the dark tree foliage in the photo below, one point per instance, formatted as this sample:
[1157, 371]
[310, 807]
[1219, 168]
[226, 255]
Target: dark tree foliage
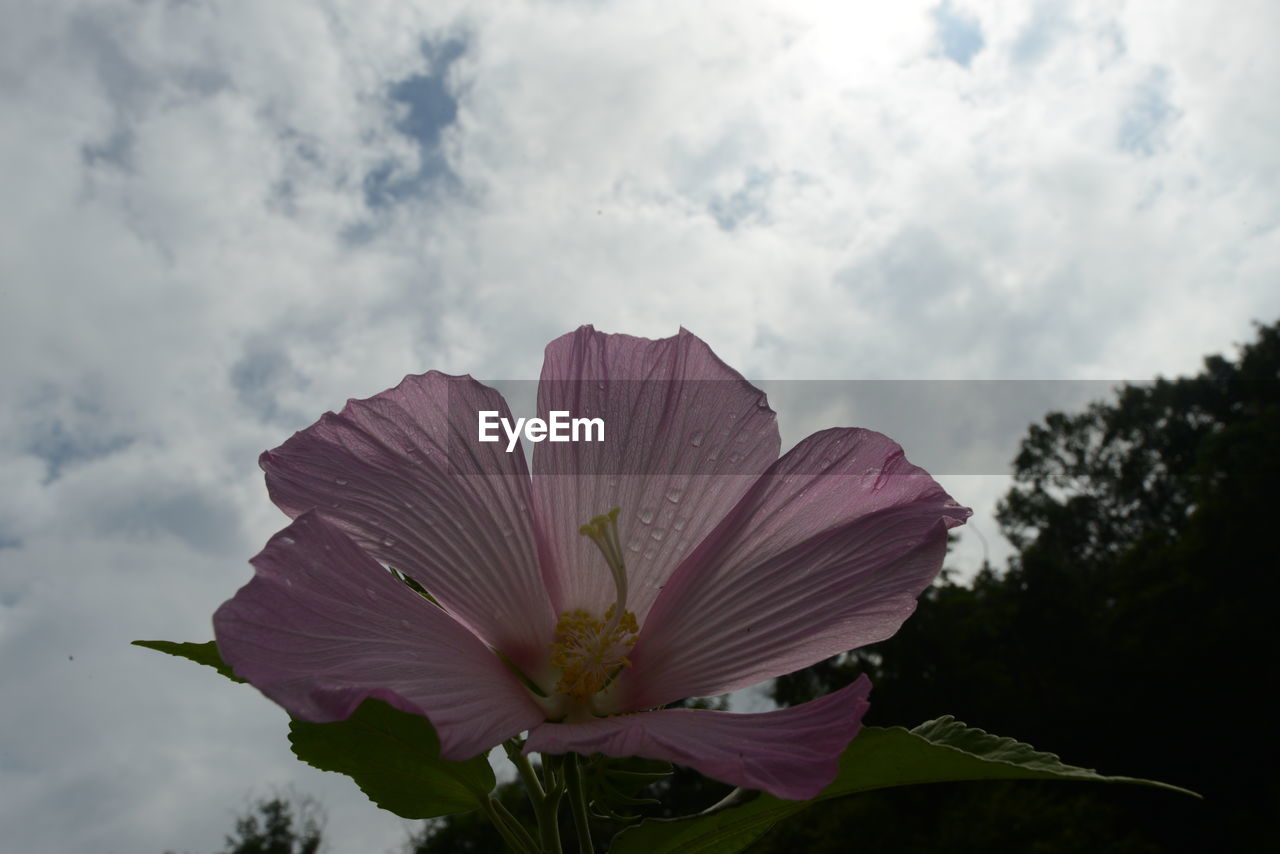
[1132, 632]
[269, 829]
[471, 832]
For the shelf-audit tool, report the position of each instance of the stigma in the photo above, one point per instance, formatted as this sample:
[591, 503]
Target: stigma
[591, 651]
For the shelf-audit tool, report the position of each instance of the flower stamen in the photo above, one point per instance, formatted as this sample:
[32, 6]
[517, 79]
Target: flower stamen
[589, 653]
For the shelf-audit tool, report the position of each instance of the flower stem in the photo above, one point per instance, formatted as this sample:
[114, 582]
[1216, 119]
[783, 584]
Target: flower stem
[510, 828]
[578, 803]
[548, 811]
[527, 775]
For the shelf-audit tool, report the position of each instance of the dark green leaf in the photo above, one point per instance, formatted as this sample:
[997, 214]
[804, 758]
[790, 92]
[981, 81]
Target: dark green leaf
[201, 653]
[614, 786]
[941, 750]
[946, 750]
[394, 757]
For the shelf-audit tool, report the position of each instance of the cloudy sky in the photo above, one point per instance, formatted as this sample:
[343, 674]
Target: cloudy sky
[220, 219]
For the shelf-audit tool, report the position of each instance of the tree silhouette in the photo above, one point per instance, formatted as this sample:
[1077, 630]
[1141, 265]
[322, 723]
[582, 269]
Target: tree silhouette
[1130, 632]
[269, 829]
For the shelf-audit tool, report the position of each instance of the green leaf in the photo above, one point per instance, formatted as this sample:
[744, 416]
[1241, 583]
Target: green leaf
[717, 831]
[394, 757]
[201, 653]
[999, 758]
[615, 785]
[938, 751]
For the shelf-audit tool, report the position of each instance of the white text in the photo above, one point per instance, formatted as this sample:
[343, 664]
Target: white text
[558, 428]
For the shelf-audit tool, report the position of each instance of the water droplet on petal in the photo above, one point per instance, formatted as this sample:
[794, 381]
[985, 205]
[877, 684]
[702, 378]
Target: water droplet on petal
[340, 482]
[646, 515]
[288, 541]
[681, 523]
[388, 541]
[674, 495]
[696, 439]
[371, 593]
[649, 553]
[658, 534]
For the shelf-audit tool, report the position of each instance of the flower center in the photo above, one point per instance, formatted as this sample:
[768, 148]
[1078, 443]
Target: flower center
[590, 651]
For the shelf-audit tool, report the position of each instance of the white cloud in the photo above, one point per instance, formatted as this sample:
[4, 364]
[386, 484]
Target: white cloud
[190, 268]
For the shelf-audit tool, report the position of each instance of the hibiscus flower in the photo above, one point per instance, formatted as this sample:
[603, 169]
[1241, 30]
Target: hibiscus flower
[680, 557]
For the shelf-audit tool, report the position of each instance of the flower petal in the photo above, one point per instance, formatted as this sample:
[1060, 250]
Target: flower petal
[793, 753]
[403, 475]
[685, 436]
[322, 626]
[827, 552]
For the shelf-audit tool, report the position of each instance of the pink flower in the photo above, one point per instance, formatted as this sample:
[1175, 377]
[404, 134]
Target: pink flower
[722, 566]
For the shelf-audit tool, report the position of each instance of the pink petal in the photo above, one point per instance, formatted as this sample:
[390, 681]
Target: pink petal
[685, 436]
[322, 626]
[793, 753]
[403, 474]
[827, 552]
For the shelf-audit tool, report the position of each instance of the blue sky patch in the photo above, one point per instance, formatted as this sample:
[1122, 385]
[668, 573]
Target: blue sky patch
[745, 204]
[61, 447]
[259, 376]
[427, 107]
[959, 34]
[1042, 31]
[1148, 115]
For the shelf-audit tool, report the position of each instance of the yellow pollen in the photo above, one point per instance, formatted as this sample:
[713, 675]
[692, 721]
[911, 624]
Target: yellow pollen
[589, 651]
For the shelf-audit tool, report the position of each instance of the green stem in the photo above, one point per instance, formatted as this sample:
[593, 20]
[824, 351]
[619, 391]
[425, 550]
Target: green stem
[578, 803]
[549, 811]
[527, 775]
[510, 828]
